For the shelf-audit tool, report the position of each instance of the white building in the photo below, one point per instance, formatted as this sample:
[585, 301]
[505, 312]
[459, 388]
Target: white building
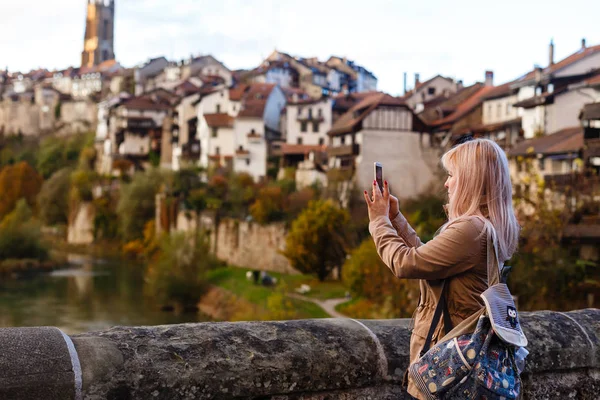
[539, 89]
[381, 128]
[429, 90]
[256, 126]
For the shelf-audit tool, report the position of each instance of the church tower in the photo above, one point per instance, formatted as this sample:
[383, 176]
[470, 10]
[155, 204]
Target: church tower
[98, 43]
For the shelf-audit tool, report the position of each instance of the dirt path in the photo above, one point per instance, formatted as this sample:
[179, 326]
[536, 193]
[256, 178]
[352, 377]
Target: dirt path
[327, 305]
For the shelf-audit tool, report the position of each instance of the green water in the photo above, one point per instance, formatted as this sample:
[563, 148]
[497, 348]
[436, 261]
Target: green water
[87, 295]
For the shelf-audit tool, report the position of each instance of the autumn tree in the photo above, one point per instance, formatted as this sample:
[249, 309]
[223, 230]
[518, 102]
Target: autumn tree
[20, 235]
[18, 181]
[136, 204]
[53, 199]
[367, 276]
[317, 241]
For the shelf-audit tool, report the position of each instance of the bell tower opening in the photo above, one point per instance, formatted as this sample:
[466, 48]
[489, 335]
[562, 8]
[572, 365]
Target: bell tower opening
[98, 41]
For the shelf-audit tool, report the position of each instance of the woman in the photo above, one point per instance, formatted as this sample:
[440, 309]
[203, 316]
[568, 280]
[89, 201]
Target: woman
[480, 199]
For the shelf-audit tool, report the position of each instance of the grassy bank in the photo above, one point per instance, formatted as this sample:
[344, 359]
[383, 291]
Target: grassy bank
[269, 299]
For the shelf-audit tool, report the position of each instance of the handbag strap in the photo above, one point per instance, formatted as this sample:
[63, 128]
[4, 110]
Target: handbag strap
[440, 309]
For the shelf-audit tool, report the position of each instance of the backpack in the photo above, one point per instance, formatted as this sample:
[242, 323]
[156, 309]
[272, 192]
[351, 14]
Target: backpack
[485, 364]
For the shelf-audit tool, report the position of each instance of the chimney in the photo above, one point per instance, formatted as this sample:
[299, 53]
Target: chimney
[459, 84]
[405, 83]
[538, 73]
[583, 43]
[551, 53]
[417, 81]
[489, 78]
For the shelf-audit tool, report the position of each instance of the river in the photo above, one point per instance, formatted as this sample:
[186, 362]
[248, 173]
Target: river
[87, 295]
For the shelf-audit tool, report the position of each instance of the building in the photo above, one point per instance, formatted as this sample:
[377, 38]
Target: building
[145, 75]
[206, 66]
[307, 124]
[98, 42]
[433, 88]
[383, 128]
[257, 128]
[541, 88]
[135, 127]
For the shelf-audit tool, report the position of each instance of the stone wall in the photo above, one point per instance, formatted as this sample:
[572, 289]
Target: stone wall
[81, 225]
[302, 359]
[250, 245]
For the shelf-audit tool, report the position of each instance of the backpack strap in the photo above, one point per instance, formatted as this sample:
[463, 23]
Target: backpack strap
[442, 308]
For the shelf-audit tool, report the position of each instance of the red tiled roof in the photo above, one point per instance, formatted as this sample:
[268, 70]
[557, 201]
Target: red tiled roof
[564, 141]
[465, 107]
[254, 100]
[236, 93]
[220, 120]
[145, 103]
[301, 148]
[348, 121]
[578, 55]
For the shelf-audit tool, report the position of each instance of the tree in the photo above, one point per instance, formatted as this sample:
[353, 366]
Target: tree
[317, 241]
[18, 181]
[20, 235]
[368, 277]
[53, 199]
[136, 204]
[178, 276]
[269, 205]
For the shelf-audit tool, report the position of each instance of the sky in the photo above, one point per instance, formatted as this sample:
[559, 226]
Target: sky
[460, 39]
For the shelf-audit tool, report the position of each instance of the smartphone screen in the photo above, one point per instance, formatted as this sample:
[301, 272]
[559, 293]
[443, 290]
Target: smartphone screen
[379, 175]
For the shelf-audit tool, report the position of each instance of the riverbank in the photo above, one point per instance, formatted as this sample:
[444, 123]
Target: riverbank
[13, 268]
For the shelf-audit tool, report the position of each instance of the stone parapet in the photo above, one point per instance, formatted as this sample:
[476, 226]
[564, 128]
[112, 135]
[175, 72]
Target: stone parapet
[303, 359]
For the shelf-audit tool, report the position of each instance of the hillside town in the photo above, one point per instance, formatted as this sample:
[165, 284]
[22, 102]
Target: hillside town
[311, 115]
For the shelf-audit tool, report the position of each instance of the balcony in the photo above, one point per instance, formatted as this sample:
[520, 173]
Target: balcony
[242, 154]
[254, 138]
[343, 150]
[191, 149]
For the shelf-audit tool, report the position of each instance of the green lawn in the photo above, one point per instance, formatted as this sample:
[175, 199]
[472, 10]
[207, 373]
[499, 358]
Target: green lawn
[234, 280]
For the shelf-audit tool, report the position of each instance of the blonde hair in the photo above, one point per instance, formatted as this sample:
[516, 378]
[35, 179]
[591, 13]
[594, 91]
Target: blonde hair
[483, 188]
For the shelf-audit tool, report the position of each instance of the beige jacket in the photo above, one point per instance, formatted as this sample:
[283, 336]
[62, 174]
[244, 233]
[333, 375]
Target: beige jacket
[459, 252]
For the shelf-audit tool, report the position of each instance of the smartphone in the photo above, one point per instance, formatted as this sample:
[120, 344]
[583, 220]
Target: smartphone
[379, 174]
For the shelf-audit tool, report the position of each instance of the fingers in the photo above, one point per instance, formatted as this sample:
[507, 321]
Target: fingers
[376, 191]
[367, 199]
[386, 190]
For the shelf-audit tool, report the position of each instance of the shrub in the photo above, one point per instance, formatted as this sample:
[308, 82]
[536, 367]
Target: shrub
[268, 206]
[178, 276]
[18, 181]
[137, 204]
[20, 235]
[367, 276]
[53, 204]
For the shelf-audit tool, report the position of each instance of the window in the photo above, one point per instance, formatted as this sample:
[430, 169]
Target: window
[214, 132]
[310, 113]
[431, 91]
[303, 126]
[315, 126]
[217, 150]
[321, 141]
[299, 140]
[247, 161]
[320, 113]
[105, 30]
[508, 109]
[489, 111]
[541, 163]
[499, 111]
[299, 111]
[218, 108]
[343, 139]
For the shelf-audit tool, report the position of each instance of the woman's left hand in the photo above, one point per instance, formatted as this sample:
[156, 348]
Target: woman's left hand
[380, 204]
